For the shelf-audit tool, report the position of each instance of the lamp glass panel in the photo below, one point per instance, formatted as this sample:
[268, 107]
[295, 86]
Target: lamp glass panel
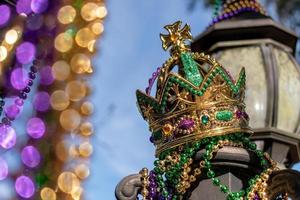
[251, 58]
[289, 91]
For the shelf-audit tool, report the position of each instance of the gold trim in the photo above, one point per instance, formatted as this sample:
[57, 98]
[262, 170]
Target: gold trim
[199, 135]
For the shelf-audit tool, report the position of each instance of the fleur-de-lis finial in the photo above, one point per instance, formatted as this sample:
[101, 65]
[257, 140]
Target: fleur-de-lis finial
[176, 37]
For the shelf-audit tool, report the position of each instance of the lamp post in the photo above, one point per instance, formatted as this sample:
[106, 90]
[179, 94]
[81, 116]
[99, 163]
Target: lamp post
[266, 49]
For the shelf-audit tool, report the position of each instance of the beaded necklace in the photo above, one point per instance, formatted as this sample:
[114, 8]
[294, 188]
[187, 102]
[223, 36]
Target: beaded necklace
[173, 173]
[232, 8]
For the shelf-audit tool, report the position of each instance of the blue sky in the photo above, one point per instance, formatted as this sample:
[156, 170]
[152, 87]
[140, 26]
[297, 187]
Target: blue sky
[129, 52]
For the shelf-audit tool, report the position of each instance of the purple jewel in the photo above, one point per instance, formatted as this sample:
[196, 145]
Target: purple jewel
[41, 101]
[238, 114]
[186, 124]
[256, 197]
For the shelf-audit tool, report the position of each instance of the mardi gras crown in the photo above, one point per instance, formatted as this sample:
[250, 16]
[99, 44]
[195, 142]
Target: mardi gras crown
[195, 98]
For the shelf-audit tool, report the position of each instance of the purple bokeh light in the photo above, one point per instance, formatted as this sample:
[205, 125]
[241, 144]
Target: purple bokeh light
[39, 6]
[23, 6]
[5, 14]
[35, 128]
[24, 187]
[19, 78]
[8, 136]
[41, 101]
[25, 52]
[46, 76]
[3, 169]
[30, 156]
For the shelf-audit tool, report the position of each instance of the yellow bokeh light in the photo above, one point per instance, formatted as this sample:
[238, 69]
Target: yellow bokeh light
[70, 119]
[3, 53]
[11, 36]
[80, 63]
[59, 100]
[91, 48]
[61, 70]
[68, 182]
[86, 129]
[76, 90]
[76, 194]
[82, 171]
[101, 12]
[66, 15]
[85, 149]
[87, 108]
[89, 11]
[84, 36]
[63, 42]
[97, 28]
[48, 194]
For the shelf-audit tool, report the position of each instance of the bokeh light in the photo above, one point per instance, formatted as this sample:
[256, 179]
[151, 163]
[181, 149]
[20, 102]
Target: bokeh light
[68, 182]
[97, 28]
[85, 149]
[63, 42]
[86, 129]
[30, 156]
[46, 76]
[59, 100]
[76, 90]
[5, 15]
[66, 14]
[41, 101]
[88, 11]
[3, 53]
[87, 108]
[84, 36]
[39, 6]
[48, 194]
[24, 187]
[24, 6]
[70, 119]
[11, 36]
[82, 171]
[8, 136]
[61, 70]
[80, 63]
[19, 78]
[35, 127]
[3, 169]
[25, 52]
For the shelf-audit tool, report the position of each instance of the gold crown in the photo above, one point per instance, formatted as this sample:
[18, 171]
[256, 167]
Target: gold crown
[199, 100]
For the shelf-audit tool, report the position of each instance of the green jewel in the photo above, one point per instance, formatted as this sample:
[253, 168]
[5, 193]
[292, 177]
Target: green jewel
[190, 68]
[224, 115]
[205, 119]
[157, 135]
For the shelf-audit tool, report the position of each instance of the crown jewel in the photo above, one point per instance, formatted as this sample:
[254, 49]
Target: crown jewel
[195, 97]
